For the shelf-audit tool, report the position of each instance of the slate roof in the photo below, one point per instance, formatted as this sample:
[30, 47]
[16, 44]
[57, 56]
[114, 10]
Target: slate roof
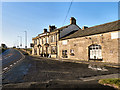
[61, 28]
[103, 28]
[65, 27]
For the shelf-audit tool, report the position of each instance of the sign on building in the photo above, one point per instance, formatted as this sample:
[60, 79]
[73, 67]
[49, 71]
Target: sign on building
[64, 42]
[115, 35]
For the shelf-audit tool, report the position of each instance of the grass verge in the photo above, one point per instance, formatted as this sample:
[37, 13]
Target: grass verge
[114, 82]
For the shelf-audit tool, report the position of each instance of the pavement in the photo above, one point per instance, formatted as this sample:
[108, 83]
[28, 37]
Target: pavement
[116, 65]
[37, 72]
[77, 85]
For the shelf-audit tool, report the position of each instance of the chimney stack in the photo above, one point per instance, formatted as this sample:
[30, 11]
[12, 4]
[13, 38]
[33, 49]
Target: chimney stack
[84, 27]
[45, 30]
[72, 20]
[51, 28]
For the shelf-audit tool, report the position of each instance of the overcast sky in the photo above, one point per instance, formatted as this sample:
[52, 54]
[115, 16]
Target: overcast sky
[35, 16]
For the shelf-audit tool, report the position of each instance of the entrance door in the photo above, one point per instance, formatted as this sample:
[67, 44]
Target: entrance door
[95, 52]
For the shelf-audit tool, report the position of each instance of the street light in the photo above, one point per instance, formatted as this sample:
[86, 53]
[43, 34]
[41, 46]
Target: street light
[25, 40]
[20, 41]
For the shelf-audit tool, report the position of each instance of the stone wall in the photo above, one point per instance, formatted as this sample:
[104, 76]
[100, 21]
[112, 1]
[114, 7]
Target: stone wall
[80, 46]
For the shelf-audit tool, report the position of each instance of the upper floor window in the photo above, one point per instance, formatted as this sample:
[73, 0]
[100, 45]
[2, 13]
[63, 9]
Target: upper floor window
[46, 39]
[42, 40]
[53, 38]
[35, 41]
[39, 41]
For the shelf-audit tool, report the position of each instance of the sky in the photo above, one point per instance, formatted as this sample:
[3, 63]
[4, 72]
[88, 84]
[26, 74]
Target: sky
[33, 17]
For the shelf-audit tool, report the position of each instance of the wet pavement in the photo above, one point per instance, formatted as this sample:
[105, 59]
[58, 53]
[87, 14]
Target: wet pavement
[42, 70]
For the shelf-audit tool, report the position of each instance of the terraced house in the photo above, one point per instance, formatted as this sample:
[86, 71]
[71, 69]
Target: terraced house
[97, 43]
[46, 43]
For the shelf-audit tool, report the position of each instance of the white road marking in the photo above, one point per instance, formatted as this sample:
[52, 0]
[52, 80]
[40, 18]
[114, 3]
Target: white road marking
[11, 65]
[5, 68]
[15, 62]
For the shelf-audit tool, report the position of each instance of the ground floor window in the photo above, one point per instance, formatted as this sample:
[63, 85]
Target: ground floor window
[95, 52]
[64, 54]
[71, 52]
[53, 50]
[35, 51]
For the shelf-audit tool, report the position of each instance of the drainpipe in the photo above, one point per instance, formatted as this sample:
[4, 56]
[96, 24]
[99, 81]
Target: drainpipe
[56, 47]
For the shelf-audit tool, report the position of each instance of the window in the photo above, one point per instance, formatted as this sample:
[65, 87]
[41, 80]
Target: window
[95, 52]
[64, 54]
[53, 38]
[39, 41]
[46, 39]
[35, 42]
[42, 41]
[71, 52]
[53, 50]
[35, 51]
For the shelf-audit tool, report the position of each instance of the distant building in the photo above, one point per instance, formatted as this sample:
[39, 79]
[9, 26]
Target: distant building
[46, 43]
[97, 43]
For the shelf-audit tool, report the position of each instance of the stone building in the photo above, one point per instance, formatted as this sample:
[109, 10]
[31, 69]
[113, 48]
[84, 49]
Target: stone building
[40, 43]
[46, 44]
[97, 43]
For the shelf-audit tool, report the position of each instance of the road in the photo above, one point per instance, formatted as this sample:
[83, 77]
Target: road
[10, 56]
[56, 73]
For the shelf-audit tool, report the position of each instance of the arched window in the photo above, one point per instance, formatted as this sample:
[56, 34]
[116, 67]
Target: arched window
[95, 52]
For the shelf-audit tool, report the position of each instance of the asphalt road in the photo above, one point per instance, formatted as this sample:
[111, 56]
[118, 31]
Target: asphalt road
[53, 74]
[9, 57]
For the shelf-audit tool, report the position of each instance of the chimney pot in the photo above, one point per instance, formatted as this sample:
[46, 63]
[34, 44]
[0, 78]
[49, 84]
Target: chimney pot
[51, 28]
[84, 27]
[45, 30]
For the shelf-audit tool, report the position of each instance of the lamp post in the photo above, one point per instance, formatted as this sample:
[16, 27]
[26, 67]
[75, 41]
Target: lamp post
[25, 40]
[20, 41]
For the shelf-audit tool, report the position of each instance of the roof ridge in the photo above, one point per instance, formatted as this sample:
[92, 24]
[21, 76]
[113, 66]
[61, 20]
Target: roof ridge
[102, 29]
[103, 24]
[63, 27]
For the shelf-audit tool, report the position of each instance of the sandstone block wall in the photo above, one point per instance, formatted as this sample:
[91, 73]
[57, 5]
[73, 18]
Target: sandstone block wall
[80, 46]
